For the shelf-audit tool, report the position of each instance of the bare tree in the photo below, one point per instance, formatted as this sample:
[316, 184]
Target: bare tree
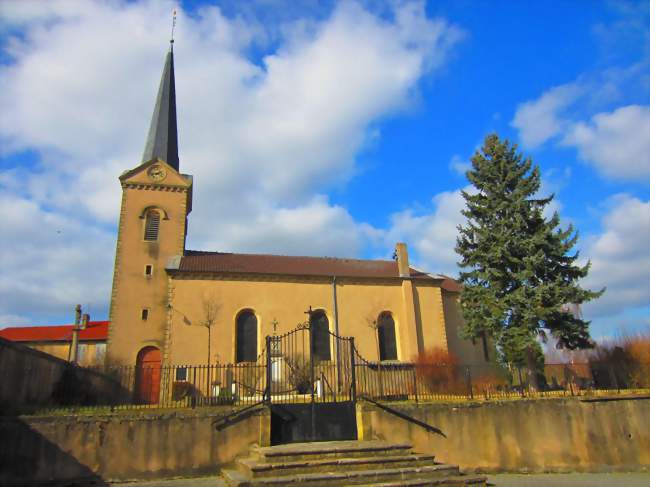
[371, 321]
[211, 307]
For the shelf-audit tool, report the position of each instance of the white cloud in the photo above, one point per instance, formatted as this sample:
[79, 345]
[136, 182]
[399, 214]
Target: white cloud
[620, 258]
[431, 236]
[539, 120]
[321, 228]
[264, 138]
[50, 263]
[617, 143]
[22, 12]
[459, 165]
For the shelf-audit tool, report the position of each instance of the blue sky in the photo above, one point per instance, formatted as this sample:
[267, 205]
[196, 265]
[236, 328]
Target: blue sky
[320, 128]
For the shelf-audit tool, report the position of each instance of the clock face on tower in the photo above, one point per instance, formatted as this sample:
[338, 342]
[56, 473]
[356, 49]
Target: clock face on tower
[156, 172]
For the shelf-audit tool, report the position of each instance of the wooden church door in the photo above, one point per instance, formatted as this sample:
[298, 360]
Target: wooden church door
[147, 386]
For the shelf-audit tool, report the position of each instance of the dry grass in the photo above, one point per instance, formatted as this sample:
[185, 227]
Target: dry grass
[438, 371]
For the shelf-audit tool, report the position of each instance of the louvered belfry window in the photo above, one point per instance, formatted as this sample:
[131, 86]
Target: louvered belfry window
[151, 225]
[246, 339]
[320, 346]
[387, 342]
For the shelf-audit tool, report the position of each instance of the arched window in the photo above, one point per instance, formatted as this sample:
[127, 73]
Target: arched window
[151, 225]
[320, 336]
[386, 332]
[246, 339]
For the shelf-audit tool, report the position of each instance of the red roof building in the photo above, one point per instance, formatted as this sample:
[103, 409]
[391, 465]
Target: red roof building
[94, 331]
[57, 339]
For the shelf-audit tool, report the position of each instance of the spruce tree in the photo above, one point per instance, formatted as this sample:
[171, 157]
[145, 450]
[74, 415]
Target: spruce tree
[518, 272]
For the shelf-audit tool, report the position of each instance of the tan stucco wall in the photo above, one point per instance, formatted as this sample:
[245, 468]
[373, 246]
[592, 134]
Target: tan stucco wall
[286, 300]
[120, 447]
[132, 291]
[432, 318]
[464, 350]
[175, 302]
[553, 435]
[88, 357]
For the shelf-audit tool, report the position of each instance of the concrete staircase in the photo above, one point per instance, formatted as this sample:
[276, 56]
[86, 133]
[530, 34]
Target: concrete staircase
[376, 463]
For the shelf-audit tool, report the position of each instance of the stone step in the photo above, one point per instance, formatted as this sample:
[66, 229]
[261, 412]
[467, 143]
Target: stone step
[329, 449]
[256, 468]
[368, 477]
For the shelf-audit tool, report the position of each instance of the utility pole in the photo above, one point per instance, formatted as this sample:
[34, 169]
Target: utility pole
[74, 344]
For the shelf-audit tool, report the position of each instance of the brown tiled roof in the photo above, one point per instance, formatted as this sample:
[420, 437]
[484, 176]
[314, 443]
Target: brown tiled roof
[197, 261]
[450, 284]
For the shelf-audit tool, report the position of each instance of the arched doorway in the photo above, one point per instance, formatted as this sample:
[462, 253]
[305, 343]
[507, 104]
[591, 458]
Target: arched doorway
[147, 375]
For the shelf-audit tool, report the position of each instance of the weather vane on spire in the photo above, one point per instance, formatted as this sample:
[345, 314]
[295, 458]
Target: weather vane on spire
[171, 41]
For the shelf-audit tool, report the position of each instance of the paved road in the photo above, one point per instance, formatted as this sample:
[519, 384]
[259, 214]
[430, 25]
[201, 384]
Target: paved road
[503, 480]
[572, 480]
[193, 482]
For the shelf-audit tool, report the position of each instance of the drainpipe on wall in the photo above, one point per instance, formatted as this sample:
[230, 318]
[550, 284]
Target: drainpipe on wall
[74, 344]
[336, 331]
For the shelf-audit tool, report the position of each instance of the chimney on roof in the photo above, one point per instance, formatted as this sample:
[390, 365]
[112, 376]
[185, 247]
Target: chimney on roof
[402, 259]
[84, 321]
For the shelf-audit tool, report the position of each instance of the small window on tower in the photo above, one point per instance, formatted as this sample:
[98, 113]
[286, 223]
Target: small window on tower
[151, 225]
[145, 314]
[148, 270]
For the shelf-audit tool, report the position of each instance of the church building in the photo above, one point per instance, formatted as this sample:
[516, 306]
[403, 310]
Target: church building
[171, 305]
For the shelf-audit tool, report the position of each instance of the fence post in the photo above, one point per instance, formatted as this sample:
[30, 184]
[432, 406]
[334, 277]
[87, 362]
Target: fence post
[312, 377]
[415, 383]
[353, 386]
[208, 390]
[194, 387]
[521, 382]
[269, 364]
[468, 374]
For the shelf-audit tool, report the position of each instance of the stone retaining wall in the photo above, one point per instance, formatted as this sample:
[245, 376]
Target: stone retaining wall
[32, 379]
[554, 435]
[517, 436]
[41, 449]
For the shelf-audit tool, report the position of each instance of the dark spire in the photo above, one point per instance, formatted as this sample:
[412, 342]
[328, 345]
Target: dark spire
[162, 141]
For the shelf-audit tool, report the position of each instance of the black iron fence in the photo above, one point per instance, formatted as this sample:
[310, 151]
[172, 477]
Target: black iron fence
[427, 382]
[298, 372]
[179, 386]
[243, 384]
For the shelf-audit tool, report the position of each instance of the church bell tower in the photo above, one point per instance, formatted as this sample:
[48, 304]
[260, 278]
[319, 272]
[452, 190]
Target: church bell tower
[156, 199]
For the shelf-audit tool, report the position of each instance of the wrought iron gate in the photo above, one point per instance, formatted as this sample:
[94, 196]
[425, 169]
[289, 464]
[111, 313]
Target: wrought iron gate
[310, 385]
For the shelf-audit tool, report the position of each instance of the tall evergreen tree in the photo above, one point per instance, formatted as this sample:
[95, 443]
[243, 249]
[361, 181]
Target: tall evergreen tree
[518, 270]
